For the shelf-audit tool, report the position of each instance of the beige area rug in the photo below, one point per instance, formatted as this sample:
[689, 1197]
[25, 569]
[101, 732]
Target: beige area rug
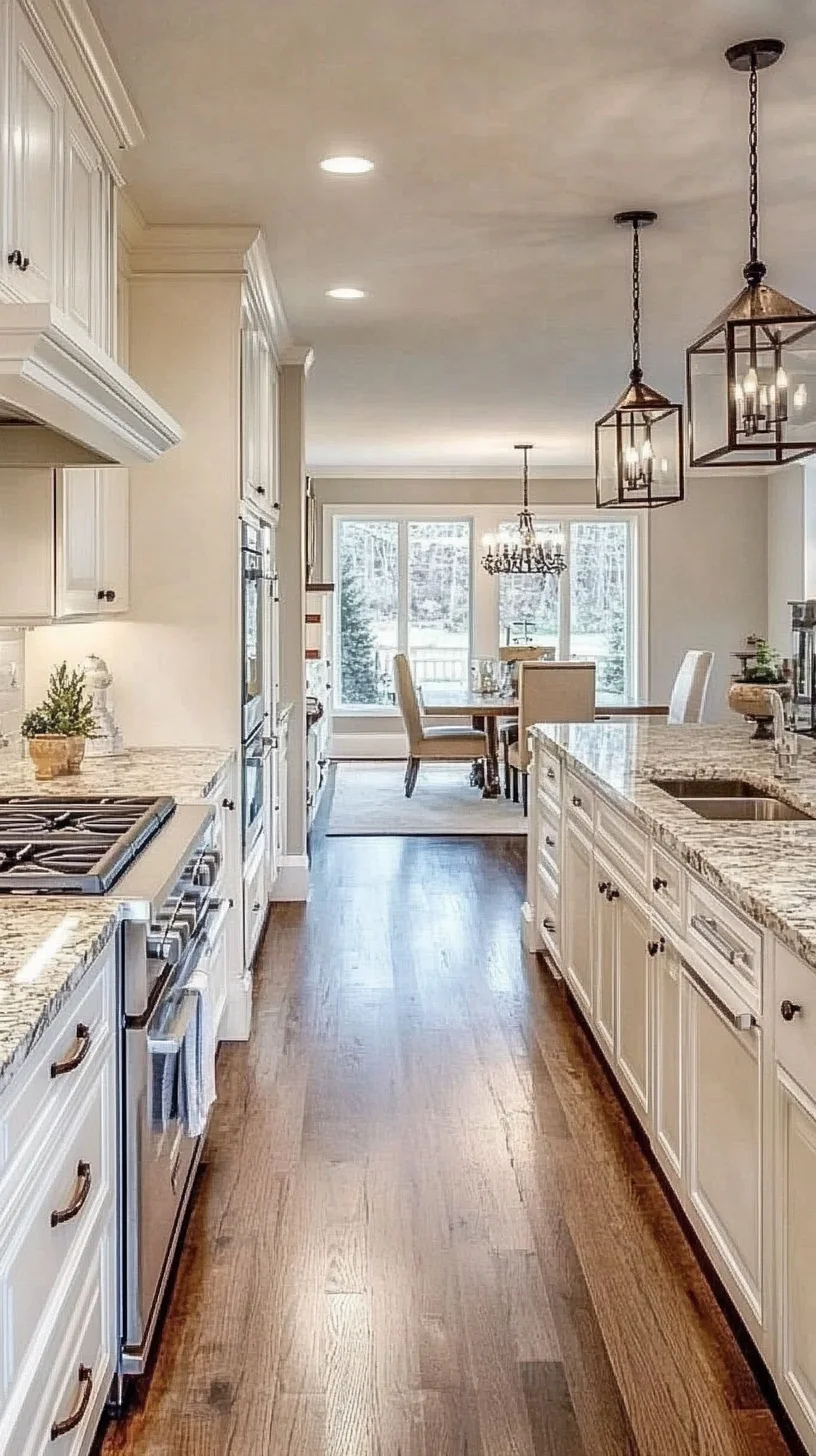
[369, 798]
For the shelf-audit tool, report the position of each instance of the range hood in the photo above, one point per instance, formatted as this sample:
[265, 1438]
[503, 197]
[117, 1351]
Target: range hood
[63, 401]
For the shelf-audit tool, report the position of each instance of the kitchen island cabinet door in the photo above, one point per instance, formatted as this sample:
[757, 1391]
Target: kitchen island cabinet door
[633, 1008]
[606, 959]
[723, 1088]
[578, 888]
[667, 1099]
[795, 1174]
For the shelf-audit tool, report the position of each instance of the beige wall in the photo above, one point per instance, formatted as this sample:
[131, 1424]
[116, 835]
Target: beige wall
[707, 561]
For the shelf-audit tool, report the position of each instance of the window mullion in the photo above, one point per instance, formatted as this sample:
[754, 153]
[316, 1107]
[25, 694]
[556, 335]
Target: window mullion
[402, 589]
[564, 605]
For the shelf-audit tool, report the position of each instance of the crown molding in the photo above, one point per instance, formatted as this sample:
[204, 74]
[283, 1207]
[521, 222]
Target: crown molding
[169, 249]
[298, 356]
[75, 44]
[53, 376]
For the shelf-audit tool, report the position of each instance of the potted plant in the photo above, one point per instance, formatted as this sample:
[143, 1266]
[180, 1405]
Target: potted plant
[57, 730]
[748, 693]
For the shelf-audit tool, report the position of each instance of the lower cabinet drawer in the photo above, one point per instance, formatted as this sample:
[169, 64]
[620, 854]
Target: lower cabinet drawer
[625, 842]
[580, 802]
[548, 833]
[72, 1184]
[731, 946]
[547, 913]
[667, 887]
[61, 1405]
[549, 774]
[255, 901]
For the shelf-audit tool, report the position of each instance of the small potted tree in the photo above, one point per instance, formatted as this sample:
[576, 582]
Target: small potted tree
[57, 730]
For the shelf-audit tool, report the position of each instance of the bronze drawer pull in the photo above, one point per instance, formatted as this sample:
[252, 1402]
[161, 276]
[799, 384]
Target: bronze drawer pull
[550, 773]
[83, 1036]
[789, 1009]
[64, 1215]
[577, 800]
[548, 839]
[658, 883]
[61, 1428]
[604, 886]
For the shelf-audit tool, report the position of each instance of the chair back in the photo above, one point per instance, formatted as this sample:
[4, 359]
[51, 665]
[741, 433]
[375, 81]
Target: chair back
[554, 692]
[687, 702]
[407, 699]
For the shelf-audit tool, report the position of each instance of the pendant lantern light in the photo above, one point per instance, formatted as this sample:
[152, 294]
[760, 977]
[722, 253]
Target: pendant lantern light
[639, 443]
[752, 375]
[526, 551]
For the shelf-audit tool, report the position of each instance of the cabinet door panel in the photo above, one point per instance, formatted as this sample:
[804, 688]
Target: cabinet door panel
[78, 516]
[796, 1255]
[668, 1083]
[82, 282]
[724, 1091]
[114, 528]
[606, 933]
[578, 901]
[633, 1003]
[37, 112]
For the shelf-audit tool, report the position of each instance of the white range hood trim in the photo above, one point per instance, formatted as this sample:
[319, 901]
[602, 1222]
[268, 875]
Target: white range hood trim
[54, 375]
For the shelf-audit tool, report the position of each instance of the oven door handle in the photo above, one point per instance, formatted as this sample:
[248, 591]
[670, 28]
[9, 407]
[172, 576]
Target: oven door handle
[214, 926]
[171, 1037]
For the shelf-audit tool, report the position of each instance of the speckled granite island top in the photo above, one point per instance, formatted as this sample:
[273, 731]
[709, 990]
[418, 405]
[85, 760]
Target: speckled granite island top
[47, 943]
[186, 774]
[768, 869]
[46, 946]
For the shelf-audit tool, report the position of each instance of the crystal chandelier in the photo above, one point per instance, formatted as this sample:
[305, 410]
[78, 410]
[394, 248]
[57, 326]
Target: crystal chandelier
[752, 375]
[527, 552]
[639, 443]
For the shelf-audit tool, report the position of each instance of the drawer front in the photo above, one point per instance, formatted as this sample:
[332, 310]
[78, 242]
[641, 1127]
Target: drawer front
[580, 801]
[548, 838]
[549, 774]
[794, 1015]
[730, 945]
[36, 1097]
[255, 902]
[626, 842]
[69, 1385]
[70, 1187]
[668, 884]
[548, 914]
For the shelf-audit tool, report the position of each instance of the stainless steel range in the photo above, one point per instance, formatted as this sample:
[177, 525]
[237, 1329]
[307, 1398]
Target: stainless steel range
[165, 864]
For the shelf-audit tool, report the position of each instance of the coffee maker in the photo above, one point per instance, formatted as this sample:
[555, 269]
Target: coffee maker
[803, 665]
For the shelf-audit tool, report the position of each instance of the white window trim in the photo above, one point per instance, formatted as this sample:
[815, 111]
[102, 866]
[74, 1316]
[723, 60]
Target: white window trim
[484, 609]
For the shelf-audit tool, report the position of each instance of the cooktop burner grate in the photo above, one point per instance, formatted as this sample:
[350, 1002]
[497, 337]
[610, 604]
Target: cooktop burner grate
[76, 846]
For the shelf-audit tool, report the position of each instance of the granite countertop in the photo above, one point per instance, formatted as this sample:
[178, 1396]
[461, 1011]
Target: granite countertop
[47, 944]
[766, 868]
[187, 774]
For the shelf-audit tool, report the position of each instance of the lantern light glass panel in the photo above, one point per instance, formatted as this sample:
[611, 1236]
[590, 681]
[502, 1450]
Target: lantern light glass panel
[639, 458]
[752, 392]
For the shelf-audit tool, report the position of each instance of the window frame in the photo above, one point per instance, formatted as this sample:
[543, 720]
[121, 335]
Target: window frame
[484, 593]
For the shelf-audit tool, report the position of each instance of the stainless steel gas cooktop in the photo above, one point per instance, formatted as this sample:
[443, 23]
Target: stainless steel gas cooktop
[73, 846]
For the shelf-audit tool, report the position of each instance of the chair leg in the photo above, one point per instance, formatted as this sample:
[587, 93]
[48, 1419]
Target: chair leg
[515, 774]
[506, 767]
[524, 778]
[411, 776]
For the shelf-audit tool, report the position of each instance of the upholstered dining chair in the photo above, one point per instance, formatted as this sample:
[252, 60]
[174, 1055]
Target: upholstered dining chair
[439, 744]
[688, 698]
[549, 692]
[508, 727]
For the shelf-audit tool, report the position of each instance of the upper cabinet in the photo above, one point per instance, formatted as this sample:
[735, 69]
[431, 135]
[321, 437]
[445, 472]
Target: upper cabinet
[57, 190]
[259, 414]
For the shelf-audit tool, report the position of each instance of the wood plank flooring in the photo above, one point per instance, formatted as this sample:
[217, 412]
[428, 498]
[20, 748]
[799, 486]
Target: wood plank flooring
[423, 1226]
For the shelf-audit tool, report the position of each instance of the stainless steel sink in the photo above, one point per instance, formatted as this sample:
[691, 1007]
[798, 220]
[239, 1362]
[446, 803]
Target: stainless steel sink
[730, 799]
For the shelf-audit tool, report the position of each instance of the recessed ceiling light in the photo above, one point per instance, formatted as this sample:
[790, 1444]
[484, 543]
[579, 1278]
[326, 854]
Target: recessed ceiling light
[347, 166]
[346, 293]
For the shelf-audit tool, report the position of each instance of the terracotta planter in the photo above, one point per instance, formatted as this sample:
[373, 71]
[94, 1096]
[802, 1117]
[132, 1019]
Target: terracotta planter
[49, 755]
[76, 753]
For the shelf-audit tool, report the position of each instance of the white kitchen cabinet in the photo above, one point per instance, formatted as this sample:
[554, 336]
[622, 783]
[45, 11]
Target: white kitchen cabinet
[282, 786]
[633, 1004]
[27, 545]
[795, 1176]
[84, 229]
[259, 415]
[34, 226]
[577, 893]
[92, 542]
[723, 1088]
[605, 957]
[667, 1095]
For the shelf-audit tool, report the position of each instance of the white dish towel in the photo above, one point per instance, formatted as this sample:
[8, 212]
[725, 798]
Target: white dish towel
[197, 1065]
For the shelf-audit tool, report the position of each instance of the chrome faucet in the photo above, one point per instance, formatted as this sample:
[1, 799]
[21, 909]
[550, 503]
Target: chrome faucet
[786, 744]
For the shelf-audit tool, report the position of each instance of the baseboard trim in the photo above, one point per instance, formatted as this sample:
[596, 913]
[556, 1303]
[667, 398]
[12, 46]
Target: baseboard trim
[292, 881]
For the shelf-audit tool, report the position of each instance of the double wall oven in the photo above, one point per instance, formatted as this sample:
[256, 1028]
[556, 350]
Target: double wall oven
[258, 592]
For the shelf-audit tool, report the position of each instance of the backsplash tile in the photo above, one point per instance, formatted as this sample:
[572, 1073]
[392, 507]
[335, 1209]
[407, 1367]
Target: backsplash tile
[12, 683]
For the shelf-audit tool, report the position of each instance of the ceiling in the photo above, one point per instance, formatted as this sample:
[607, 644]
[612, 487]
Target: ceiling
[505, 133]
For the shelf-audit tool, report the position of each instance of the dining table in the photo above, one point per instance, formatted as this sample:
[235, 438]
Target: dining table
[451, 700]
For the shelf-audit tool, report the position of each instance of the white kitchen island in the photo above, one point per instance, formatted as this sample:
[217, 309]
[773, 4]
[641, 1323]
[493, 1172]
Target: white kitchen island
[689, 947]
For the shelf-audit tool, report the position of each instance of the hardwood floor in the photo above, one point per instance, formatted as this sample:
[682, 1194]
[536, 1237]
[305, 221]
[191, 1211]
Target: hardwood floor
[424, 1227]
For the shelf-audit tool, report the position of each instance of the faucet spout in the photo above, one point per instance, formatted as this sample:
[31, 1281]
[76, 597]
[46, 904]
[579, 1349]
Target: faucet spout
[778, 708]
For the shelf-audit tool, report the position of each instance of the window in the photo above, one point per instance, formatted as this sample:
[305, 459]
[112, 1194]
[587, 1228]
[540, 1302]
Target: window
[402, 586]
[588, 611]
